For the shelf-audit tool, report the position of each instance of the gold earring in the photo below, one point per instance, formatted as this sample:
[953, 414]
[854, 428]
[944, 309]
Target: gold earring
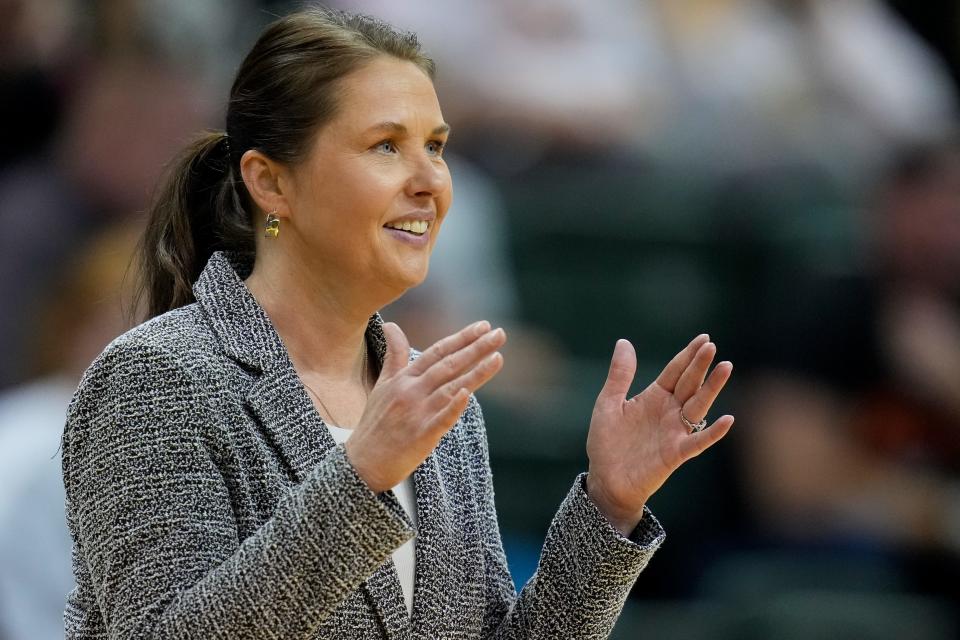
[272, 228]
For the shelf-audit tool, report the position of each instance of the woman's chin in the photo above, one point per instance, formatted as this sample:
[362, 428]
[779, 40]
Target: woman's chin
[415, 280]
[407, 276]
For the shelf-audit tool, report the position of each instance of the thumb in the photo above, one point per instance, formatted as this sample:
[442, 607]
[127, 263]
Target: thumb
[398, 350]
[623, 366]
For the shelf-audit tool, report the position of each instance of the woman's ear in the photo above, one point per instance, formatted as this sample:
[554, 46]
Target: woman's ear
[264, 180]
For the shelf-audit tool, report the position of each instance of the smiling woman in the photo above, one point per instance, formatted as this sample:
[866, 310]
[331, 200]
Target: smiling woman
[265, 458]
[375, 166]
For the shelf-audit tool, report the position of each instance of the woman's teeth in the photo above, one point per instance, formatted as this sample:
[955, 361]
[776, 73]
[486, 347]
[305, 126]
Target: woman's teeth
[418, 227]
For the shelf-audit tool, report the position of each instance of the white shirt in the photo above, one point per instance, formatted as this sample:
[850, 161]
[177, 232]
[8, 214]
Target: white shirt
[404, 556]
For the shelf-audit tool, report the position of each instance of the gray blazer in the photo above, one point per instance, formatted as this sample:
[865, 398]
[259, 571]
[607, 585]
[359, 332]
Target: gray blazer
[206, 499]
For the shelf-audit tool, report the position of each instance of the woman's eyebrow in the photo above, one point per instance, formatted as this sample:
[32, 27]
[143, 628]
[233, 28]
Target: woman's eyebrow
[400, 129]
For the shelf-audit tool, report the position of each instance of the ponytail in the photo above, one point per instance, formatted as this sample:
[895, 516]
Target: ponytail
[195, 212]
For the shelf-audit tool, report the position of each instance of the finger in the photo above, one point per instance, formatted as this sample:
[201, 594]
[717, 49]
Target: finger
[450, 413]
[472, 380]
[692, 377]
[455, 364]
[398, 350]
[697, 406]
[696, 443]
[623, 367]
[671, 373]
[450, 344]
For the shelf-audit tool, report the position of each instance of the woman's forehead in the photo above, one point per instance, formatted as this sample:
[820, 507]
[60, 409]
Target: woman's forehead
[388, 93]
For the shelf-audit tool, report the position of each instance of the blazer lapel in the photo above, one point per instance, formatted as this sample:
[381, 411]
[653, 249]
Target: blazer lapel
[289, 422]
[247, 335]
[281, 405]
[385, 595]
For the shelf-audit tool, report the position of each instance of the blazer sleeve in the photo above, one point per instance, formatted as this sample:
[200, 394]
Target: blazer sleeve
[152, 520]
[586, 568]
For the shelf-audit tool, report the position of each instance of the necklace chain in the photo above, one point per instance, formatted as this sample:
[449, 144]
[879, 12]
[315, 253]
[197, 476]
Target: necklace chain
[364, 376]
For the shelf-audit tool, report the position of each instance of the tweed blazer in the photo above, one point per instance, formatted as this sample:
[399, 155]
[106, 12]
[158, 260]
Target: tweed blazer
[207, 499]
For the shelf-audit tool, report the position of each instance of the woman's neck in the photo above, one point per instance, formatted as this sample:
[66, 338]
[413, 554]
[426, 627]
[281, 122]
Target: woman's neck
[321, 323]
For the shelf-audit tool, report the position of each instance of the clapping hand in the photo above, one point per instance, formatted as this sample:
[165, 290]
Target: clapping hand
[635, 444]
[415, 403]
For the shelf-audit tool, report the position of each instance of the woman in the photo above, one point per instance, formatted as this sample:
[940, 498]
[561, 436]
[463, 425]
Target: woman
[211, 487]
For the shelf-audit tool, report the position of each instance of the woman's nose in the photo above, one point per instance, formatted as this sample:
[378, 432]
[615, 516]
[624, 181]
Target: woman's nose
[428, 177]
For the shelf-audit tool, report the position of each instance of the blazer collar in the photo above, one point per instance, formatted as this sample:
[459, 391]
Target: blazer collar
[241, 325]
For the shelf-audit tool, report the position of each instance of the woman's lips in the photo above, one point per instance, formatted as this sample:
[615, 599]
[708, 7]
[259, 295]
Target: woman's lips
[409, 238]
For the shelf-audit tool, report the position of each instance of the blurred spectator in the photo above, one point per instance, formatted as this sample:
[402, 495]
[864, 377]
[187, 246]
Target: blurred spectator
[760, 83]
[35, 39]
[939, 22]
[853, 402]
[716, 85]
[81, 314]
[96, 98]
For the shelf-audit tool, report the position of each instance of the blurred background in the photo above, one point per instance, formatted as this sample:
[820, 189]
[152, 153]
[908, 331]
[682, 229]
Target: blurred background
[783, 174]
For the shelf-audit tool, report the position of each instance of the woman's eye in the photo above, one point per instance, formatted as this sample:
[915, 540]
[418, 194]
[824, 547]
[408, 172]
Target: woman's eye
[435, 147]
[386, 146]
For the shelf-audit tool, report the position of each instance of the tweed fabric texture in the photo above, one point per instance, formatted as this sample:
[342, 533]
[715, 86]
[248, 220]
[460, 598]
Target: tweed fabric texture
[206, 499]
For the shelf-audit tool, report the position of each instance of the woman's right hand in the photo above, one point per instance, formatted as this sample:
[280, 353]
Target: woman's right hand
[415, 403]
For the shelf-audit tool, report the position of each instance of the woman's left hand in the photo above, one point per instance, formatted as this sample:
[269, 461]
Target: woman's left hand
[634, 445]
